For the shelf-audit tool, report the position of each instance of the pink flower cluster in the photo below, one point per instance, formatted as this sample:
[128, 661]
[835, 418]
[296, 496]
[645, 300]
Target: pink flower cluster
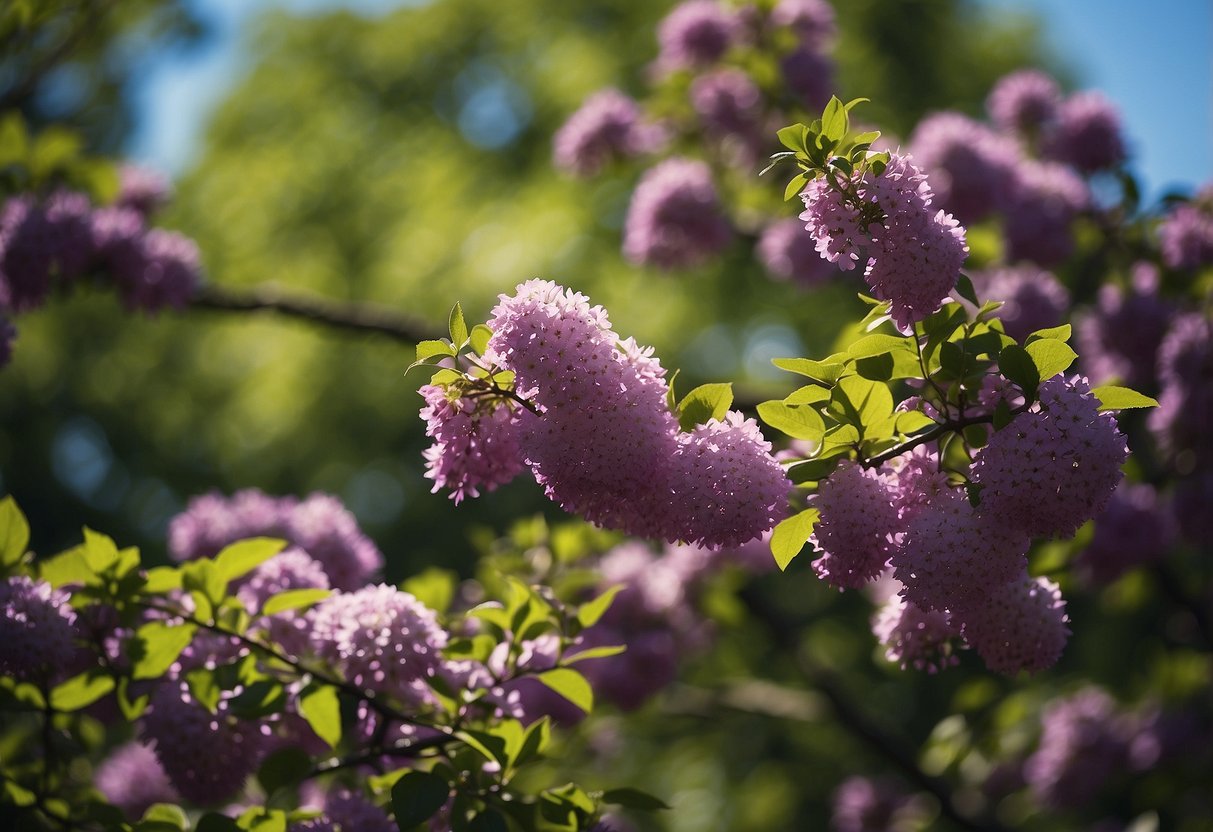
[675, 220]
[37, 632]
[608, 126]
[606, 445]
[1186, 233]
[475, 443]
[962, 569]
[913, 253]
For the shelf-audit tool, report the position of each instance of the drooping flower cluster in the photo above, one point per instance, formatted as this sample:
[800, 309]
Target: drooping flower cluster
[606, 445]
[1045, 199]
[382, 639]
[319, 525]
[1086, 133]
[788, 253]
[207, 756]
[475, 444]
[1084, 742]
[1055, 466]
[925, 640]
[866, 804]
[856, 527]
[132, 779]
[1185, 412]
[696, 34]
[1024, 102]
[1021, 625]
[1119, 338]
[37, 636]
[1185, 235]
[675, 220]
[1134, 529]
[971, 166]
[607, 127]
[291, 569]
[913, 253]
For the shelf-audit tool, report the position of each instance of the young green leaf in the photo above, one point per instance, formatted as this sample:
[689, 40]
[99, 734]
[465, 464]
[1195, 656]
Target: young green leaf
[1051, 356]
[1112, 397]
[964, 288]
[457, 326]
[813, 470]
[417, 797]
[293, 599]
[157, 646]
[14, 532]
[589, 612]
[322, 710]
[822, 371]
[871, 345]
[791, 535]
[707, 401]
[594, 653]
[1016, 364]
[571, 685]
[834, 122]
[1056, 333]
[795, 186]
[244, 556]
[792, 137]
[799, 421]
[81, 690]
[429, 349]
[479, 338]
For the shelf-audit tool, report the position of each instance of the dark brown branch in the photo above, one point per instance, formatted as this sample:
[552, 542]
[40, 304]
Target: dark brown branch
[950, 426]
[353, 317]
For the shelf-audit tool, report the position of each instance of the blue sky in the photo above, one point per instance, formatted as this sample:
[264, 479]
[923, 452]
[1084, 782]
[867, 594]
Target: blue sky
[1155, 60]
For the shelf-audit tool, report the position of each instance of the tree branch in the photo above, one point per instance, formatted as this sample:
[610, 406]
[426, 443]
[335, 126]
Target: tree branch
[950, 426]
[354, 317]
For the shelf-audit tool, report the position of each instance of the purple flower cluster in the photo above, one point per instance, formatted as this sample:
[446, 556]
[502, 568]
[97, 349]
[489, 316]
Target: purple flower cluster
[911, 636]
[608, 126]
[607, 446]
[1021, 625]
[854, 532]
[207, 756]
[319, 524]
[1086, 134]
[866, 804]
[788, 253]
[675, 220]
[288, 570]
[382, 639]
[142, 189]
[1134, 529]
[913, 254]
[1032, 299]
[1185, 412]
[1119, 338]
[1186, 234]
[1024, 102]
[37, 630]
[475, 443]
[971, 166]
[811, 20]
[1084, 742]
[1045, 198]
[697, 33]
[132, 779]
[1054, 466]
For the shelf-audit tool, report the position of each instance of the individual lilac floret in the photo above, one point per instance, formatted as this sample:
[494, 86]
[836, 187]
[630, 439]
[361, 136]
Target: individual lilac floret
[1022, 625]
[812, 20]
[1032, 299]
[207, 756]
[1186, 237]
[1055, 466]
[607, 126]
[866, 804]
[809, 75]
[914, 253]
[475, 443]
[916, 638]
[728, 487]
[1119, 339]
[1134, 529]
[288, 570]
[788, 252]
[170, 273]
[854, 532]
[952, 557]
[329, 532]
[132, 779]
[1083, 744]
[1086, 133]
[696, 33]
[1185, 412]
[1045, 199]
[37, 632]
[1023, 102]
[675, 220]
[142, 189]
[382, 639]
[971, 167]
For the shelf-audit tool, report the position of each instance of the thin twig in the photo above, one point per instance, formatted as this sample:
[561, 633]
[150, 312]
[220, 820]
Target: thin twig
[355, 317]
[950, 426]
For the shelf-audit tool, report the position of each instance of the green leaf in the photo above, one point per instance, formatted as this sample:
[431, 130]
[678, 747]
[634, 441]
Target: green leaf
[707, 401]
[913, 421]
[633, 799]
[490, 820]
[417, 797]
[165, 814]
[14, 532]
[809, 394]
[70, 567]
[792, 137]
[1056, 333]
[1051, 357]
[215, 822]
[479, 338]
[825, 372]
[161, 579]
[204, 687]
[157, 646]
[322, 710]
[795, 186]
[1112, 397]
[799, 421]
[202, 577]
[871, 345]
[1016, 364]
[834, 120]
[861, 401]
[293, 599]
[964, 288]
[285, 767]
[594, 653]
[82, 690]
[791, 535]
[571, 685]
[589, 612]
[890, 365]
[457, 326]
[535, 740]
[813, 470]
[429, 349]
[259, 699]
[99, 551]
[433, 587]
[244, 556]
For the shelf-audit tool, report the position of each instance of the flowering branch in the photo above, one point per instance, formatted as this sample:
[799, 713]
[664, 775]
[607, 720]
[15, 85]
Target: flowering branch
[951, 425]
[359, 317]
